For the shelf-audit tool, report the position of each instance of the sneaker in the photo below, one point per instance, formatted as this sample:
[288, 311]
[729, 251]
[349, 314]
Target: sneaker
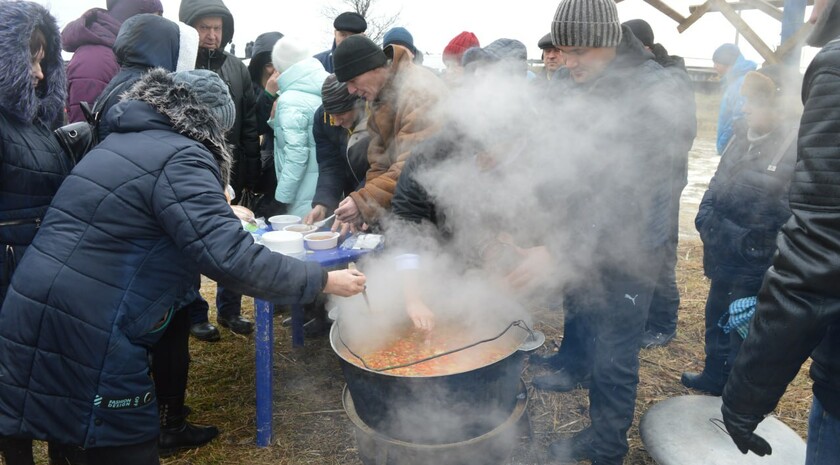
[562, 381]
[573, 448]
[653, 339]
[237, 324]
[702, 382]
[205, 332]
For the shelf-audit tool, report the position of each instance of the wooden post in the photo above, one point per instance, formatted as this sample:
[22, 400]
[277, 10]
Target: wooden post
[794, 15]
[667, 10]
[745, 30]
[695, 15]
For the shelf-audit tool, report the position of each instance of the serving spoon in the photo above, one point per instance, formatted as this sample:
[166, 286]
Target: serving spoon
[320, 224]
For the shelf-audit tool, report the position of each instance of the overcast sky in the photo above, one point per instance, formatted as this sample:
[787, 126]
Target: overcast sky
[434, 22]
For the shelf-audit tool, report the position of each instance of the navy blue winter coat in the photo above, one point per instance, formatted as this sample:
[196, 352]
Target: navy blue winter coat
[32, 164]
[745, 205]
[125, 238]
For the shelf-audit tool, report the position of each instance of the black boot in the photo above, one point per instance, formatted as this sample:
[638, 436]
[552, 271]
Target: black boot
[176, 433]
[702, 382]
[16, 451]
[574, 448]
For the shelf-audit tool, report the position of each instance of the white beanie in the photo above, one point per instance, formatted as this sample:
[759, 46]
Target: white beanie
[286, 52]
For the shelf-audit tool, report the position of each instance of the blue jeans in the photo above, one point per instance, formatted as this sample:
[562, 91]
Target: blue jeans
[823, 437]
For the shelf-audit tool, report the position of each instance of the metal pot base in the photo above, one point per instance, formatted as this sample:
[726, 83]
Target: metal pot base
[493, 447]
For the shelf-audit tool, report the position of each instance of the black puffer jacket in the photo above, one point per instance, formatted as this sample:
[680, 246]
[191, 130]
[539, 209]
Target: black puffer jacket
[798, 310]
[746, 204]
[243, 136]
[32, 164]
[628, 123]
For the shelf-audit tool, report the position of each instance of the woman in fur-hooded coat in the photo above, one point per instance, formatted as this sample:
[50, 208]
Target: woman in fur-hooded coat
[126, 237]
[32, 164]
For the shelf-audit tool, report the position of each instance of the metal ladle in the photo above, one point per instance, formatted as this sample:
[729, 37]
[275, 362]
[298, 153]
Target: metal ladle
[352, 266]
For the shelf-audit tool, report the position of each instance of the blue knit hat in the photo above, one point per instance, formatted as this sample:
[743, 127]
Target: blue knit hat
[399, 36]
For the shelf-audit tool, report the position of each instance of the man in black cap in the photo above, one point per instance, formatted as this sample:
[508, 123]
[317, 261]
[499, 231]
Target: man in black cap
[612, 222]
[402, 97]
[346, 24]
[551, 57]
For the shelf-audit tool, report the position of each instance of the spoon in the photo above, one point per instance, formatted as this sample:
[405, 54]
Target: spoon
[320, 224]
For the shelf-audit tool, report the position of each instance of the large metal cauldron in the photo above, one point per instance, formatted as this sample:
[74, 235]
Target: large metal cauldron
[493, 447]
[435, 409]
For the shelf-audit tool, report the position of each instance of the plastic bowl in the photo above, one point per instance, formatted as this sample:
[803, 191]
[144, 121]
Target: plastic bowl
[321, 240]
[278, 222]
[285, 242]
[301, 228]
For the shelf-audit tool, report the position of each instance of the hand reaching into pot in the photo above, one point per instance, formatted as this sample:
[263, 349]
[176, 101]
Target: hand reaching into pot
[421, 315]
[535, 268]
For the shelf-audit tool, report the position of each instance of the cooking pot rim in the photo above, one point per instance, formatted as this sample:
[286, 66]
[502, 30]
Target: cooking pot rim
[334, 341]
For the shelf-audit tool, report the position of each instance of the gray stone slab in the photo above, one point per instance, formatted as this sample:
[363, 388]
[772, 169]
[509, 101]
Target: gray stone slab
[688, 430]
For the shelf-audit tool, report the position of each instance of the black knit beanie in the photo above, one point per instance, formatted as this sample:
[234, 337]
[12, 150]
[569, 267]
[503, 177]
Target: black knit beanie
[642, 30]
[357, 55]
[586, 23]
[335, 96]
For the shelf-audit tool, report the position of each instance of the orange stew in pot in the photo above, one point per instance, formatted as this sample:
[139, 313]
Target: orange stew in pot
[414, 345]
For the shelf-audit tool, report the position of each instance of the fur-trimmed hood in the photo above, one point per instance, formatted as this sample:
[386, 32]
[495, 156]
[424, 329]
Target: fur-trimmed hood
[18, 98]
[186, 115]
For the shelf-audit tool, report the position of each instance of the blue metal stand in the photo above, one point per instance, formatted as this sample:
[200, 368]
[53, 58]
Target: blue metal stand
[265, 339]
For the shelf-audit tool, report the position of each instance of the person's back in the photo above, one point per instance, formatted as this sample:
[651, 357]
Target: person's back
[90, 39]
[145, 42]
[797, 313]
[294, 147]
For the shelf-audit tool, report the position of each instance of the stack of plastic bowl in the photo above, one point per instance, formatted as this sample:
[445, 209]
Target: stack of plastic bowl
[285, 242]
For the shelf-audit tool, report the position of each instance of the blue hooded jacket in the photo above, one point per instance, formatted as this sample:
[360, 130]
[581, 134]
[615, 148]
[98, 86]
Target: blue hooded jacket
[732, 104]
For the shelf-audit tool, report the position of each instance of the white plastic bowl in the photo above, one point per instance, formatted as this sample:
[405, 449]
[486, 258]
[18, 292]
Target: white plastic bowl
[321, 240]
[278, 222]
[285, 242]
[301, 228]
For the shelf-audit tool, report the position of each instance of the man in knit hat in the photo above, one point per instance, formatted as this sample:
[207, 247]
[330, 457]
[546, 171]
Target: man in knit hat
[731, 66]
[797, 313]
[346, 24]
[616, 102]
[402, 98]
[551, 57]
[456, 47]
[400, 36]
[214, 23]
[341, 142]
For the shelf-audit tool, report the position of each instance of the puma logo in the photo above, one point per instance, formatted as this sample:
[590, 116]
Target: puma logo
[631, 299]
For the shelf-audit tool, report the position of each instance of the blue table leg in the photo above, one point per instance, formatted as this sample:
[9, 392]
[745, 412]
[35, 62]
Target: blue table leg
[297, 325]
[265, 361]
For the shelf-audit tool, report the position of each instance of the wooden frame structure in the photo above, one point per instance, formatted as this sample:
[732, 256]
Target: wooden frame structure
[729, 9]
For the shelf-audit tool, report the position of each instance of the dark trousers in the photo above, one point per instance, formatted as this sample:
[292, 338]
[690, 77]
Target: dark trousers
[605, 329]
[17, 451]
[662, 316]
[171, 358]
[719, 345]
[145, 453]
[228, 305]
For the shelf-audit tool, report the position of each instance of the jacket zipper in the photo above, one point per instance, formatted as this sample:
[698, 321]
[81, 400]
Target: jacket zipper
[36, 221]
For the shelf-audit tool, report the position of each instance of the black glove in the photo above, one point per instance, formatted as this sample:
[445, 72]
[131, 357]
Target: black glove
[740, 427]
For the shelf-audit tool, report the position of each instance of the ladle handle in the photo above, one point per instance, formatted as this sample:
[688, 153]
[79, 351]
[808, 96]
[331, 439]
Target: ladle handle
[352, 266]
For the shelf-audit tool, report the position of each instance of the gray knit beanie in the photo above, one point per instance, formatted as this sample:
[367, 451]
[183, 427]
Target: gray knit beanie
[335, 96]
[209, 89]
[586, 23]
